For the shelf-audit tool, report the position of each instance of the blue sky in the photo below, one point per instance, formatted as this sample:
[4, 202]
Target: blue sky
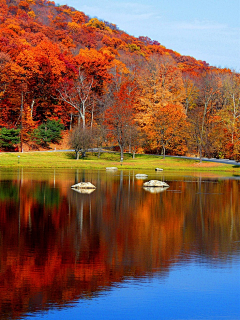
[207, 30]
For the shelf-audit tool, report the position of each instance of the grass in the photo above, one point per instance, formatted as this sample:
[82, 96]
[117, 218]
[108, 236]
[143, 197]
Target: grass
[141, 162]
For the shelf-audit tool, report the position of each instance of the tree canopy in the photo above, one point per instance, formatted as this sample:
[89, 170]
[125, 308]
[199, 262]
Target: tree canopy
[58, 63]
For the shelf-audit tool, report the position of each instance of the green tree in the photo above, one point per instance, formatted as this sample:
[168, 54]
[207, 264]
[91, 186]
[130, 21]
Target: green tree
[47, 132]
[9, 138]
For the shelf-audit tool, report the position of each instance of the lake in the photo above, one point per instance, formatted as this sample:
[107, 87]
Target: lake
[120, 252]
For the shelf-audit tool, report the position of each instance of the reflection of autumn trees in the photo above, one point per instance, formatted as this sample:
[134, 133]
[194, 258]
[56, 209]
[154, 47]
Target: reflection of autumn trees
[217, 219]
[58, 245]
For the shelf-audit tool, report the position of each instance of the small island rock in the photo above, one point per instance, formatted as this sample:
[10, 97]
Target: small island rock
[83, 185]
[141, 175]
[158, 169]
[155, 183]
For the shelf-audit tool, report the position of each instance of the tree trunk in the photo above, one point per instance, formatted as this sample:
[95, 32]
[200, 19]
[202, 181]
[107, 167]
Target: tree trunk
[71, 119]
[121, 152]
[77, 155]
[83, 115]
[202, 130]
[200, 152]
[164, 152]
[21, 132]
[92, 116]
[32, 104]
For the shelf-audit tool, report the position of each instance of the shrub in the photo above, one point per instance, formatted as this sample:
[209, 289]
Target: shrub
[9, 138]
[47, 132]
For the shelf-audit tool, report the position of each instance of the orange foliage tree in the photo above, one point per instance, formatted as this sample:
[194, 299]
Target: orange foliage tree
[167, 130]
[89, 77]
[120, 115]
[47, 48]
[209, 86]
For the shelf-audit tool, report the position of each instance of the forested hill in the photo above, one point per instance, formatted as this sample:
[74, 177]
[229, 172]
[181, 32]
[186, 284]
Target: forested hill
[26, 23]
[58, 63]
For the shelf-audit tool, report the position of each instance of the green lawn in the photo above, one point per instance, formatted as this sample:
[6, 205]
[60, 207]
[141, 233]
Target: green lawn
[141, 162]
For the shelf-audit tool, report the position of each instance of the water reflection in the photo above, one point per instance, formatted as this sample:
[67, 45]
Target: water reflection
[58, 245]
[155, 189]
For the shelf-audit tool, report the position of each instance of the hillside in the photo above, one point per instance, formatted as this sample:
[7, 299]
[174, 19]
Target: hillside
[26, 23]
[58, 63]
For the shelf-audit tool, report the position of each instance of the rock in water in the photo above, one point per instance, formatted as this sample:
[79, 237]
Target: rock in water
[141, 176]
[155, 183]
[83, 185]
[158, 169]
[111, 168]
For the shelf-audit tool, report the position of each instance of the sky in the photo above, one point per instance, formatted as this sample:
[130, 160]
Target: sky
[207, 30]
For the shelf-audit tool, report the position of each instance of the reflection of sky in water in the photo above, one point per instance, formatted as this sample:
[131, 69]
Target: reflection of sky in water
[187, 292]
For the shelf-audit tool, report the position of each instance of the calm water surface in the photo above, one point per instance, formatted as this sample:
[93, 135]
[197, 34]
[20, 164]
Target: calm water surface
[120, 252]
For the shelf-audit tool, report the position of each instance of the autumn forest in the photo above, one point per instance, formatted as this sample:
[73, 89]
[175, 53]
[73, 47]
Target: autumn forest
[59, 66]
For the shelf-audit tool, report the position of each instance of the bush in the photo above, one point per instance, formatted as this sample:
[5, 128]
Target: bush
[47, 132]
[9, 138]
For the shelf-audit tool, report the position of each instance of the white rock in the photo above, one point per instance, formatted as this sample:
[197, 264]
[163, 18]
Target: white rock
[111, 168]
[141, 175]
[155, 183]
[83, 185]
[158, 169]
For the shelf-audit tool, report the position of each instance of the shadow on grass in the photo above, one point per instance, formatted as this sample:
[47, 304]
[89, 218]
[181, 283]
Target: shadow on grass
[107, 156]
[236, 176]
[94, 156]
[148, 156]
[71, 155]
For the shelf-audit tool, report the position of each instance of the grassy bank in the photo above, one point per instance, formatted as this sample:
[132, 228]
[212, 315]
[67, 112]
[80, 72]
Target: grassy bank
[141, 162]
